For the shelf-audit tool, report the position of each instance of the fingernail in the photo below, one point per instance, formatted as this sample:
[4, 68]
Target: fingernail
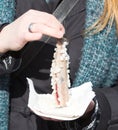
[60, 34]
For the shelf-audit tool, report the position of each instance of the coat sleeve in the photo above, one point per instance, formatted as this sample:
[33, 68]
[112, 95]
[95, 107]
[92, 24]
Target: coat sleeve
[7, 14]
[9, 62]
[107, 99]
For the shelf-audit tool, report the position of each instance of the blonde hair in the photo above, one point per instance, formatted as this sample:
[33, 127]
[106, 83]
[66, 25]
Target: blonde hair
[109, 15]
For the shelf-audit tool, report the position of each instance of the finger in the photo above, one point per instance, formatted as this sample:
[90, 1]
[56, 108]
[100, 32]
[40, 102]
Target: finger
[51, 119]
[90, 107]
[46, 18]
[46, 30]
[33, 36]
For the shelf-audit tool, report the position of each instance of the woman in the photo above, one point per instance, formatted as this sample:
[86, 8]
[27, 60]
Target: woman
[98, 60]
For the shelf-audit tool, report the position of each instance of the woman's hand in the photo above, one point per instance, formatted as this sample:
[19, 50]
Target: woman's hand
[15, 35]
